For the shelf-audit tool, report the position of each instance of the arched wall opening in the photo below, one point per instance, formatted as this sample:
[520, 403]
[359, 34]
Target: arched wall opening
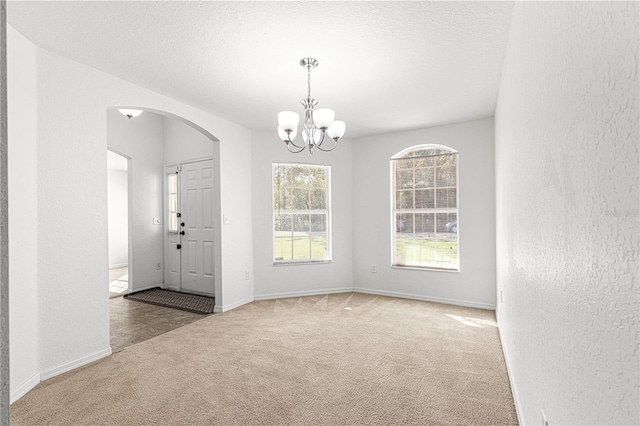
[152, 141]
[61, 314]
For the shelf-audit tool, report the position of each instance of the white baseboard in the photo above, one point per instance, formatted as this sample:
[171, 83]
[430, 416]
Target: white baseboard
[22, 390]
[514, 393]
[231, 306]
[118, 265]
[303, 293]
[456, 302]
[52, 372]
[217, 309]
[137, 289]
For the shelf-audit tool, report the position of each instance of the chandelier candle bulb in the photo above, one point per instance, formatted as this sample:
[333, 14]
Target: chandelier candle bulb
[316, 124]
[288, 120]
[283, 134]
[323, 118]
[336, 130]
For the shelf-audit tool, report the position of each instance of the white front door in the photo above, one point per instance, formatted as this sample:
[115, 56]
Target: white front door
[197, 204]
[189, 245]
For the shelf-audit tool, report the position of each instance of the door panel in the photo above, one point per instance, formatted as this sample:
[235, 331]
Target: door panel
[197, 213]
[207, 259]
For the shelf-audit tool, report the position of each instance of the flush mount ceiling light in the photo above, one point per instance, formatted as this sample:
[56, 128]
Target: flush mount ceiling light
[131, 113]
[317, 123]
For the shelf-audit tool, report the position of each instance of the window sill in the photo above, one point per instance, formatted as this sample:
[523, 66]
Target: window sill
[303, 262]
[420, 268]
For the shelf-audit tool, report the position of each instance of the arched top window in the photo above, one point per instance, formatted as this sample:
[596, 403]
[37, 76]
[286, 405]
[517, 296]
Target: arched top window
[425, 207]
[424, 151]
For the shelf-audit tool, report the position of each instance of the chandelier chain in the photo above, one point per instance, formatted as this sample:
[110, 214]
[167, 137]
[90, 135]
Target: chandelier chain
[308, 81]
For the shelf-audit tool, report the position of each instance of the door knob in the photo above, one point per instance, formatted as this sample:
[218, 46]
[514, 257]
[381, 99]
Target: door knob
[181, 223]
[181, 232]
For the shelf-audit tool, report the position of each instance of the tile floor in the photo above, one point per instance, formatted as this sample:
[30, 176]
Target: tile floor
[118, 281]
[134, 322]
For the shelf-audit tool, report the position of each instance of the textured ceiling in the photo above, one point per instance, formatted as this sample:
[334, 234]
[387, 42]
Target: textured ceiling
[383, 66]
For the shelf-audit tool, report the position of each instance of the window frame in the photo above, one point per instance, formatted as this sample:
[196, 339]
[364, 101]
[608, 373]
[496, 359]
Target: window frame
[394, 211]
[328, 258]
[170, 213]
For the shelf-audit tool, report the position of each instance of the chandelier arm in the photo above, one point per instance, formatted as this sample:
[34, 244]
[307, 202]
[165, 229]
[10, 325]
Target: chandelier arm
[300, 149]
[335, 144]
[290, 142]
[324, 132]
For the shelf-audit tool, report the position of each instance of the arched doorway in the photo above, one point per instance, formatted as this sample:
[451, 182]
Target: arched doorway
[155, 141]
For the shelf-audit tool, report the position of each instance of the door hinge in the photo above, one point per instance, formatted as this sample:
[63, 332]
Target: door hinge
[178, 246]
[178, 215]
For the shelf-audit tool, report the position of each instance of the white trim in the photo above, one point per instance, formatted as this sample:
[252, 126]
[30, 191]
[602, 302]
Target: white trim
[193, 160]
[401, 155]
[217, 309]
[231, 306]
[135, 290]
[52, 372]
[22, 390]
[507, 362]
[301, 262]
[327, 211]
[118, 265]
[426, 268]
[457, 302]
[303, 293]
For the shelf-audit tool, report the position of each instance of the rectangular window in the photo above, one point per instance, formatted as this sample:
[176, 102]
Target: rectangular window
[425, 210]
[172, 189]
[301, 213]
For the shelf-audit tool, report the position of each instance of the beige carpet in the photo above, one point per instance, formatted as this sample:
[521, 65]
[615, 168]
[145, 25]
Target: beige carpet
[344, 359]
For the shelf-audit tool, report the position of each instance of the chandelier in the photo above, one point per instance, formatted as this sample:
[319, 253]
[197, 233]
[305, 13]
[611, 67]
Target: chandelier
[317, 122]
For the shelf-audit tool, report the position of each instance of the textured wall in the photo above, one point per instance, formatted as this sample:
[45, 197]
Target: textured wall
[140, 139]
[474, 285]
[72, 104]
[182, 142]
[23, 203]
[567, 211]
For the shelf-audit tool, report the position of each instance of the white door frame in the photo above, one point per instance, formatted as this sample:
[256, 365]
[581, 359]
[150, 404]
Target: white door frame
[129, 218]
[177, 165]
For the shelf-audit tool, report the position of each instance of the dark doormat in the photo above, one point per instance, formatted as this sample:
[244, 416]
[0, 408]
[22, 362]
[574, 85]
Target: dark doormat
[173, 299]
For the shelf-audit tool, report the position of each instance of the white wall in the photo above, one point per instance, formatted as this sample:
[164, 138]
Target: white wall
[140, 139]
[71, 180]
[182, 142]
[567, 186]
[118, 218]
[474, 285]
[289, 280]
[23, 219]
[237, 233]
